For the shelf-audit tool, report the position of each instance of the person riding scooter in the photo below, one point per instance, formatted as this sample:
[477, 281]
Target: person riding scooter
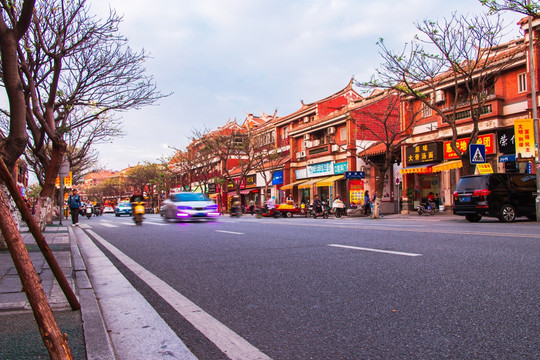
[137, 207]
[236, 207]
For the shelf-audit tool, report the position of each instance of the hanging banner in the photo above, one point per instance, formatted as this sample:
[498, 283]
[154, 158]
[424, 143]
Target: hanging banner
[524, 133]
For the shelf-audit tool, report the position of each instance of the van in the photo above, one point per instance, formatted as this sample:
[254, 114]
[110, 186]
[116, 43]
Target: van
[504, 196]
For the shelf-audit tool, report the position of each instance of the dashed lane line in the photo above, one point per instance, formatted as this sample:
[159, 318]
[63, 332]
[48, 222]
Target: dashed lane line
[374, 250]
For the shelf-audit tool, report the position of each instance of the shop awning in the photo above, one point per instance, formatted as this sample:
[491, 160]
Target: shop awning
[308, 184]
[291, 185]
[329, 181]
[420, 169]
[447, 166]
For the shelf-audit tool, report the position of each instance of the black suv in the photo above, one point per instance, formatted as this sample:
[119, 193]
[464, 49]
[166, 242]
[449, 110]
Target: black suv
[505, 196]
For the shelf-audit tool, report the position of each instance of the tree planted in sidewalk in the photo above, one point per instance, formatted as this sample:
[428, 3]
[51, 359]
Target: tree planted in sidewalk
[77, 72]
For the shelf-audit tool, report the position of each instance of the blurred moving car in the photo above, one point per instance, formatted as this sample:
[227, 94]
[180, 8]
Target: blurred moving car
[123, 209]
[108, 210]
[189, 206]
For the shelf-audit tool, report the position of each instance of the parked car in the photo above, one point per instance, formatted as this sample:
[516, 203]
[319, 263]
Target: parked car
[123, 209]
[189, 206]
[505, 196]
[108, 210]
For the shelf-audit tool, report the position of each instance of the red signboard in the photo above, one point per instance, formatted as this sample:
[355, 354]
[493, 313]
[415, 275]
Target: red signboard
[488, 140]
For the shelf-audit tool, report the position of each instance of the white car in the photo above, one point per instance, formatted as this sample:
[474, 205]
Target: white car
[189, 206]
[108, 209]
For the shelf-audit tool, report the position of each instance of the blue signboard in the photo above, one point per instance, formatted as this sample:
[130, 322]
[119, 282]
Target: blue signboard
[355, 175]
[507, 158]
[321, 169]
[340, 168]
[277, 179]
[477, 153]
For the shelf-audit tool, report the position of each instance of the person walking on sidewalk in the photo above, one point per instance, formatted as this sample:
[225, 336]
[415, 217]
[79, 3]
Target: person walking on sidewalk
[74, 202]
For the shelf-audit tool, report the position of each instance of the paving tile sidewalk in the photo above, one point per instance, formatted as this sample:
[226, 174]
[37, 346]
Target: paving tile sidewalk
[19, 333]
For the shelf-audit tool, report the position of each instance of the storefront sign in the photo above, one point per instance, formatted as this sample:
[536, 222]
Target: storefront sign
[300, 174]
[211, 188]
[424, 153]
[488, 140]
[251, 181]
[322, 169]
[356, 191]
[485, 168]
[506, 141]
[277, 177]
[524, 130]
[340, 168]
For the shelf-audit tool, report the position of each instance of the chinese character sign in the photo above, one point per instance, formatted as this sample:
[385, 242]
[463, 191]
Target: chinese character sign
[488, 140]
[524, 133]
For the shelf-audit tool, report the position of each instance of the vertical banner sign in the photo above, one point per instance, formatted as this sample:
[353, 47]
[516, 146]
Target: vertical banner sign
[524, 133]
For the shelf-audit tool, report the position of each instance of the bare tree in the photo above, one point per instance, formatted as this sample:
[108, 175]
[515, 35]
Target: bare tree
[77, 71]
[462, 55]
[525, 7]
[379, 117]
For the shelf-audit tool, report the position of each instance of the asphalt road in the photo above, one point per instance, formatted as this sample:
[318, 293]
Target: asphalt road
[300, 288]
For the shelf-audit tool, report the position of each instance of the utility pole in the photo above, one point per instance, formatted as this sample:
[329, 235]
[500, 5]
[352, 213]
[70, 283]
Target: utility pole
[532, 64]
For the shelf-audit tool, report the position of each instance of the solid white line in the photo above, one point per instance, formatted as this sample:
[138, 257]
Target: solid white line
[229, 342]
[108, 225]
[375, 250]
[229, 232]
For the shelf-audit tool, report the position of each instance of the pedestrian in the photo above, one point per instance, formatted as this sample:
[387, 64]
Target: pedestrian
[74, 202]
[367, 203]
[251, 206]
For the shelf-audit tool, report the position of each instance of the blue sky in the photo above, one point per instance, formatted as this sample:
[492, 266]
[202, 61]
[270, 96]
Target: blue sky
[222, 59]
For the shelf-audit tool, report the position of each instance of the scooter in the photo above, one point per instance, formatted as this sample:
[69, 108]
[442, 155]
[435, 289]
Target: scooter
[429, 206]
[138, 214]
[89, 212]
[236, 211]
[323, 211]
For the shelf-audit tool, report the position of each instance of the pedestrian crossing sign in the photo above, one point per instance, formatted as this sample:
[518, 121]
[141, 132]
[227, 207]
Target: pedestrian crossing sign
[477, 153]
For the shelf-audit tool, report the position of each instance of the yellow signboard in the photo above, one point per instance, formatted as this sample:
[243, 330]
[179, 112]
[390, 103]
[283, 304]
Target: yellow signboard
[524, 133]
[68, 181]
[484, 168]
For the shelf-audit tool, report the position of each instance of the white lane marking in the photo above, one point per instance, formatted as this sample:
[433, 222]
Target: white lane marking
[229, 342]
[108, 225]
[154, 223]
[230, 232]
[375, 250]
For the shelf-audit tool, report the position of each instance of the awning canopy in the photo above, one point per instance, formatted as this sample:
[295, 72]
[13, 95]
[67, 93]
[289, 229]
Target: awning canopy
[291, 185]
[329, 181]
[447, 166]
[420, 169]
[308, 184]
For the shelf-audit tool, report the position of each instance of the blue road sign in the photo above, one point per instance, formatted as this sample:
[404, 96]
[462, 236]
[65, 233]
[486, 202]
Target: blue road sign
[355, 175]
[477, 153]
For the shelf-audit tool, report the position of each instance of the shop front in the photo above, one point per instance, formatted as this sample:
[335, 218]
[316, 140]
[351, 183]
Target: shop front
[419, 180]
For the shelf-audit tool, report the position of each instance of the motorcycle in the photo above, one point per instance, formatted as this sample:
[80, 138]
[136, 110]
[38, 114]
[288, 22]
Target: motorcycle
[338, 208]
[88, 211]
[322, 211]
[264, 211]
[236, 210]
[138, 213]
[428, 206]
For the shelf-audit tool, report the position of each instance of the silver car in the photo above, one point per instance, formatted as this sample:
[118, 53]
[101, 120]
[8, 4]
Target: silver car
[189, 206]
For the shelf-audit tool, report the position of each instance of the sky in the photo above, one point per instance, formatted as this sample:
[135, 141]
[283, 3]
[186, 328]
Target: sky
[223, 59]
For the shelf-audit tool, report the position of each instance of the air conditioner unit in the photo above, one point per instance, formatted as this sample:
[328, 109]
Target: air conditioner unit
[308, 144]
[335, 148]
[331, 130]
[302, 154]
[316, 142]
[439, 96]
[306, 119]
[307, 136]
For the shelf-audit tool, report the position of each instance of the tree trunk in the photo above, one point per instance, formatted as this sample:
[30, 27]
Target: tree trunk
[54, 340]
[15, 215]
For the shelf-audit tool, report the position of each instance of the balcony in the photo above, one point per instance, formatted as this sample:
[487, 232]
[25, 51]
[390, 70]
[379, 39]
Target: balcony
[282, 142]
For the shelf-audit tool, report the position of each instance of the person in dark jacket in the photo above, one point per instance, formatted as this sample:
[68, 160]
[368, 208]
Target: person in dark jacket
[74, 202]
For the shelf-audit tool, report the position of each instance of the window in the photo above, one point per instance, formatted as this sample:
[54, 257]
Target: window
[343, 134]
[426, 111]
[522, 82]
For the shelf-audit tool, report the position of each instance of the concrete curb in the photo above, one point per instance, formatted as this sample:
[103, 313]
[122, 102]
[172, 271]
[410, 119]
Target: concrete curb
[98, 342]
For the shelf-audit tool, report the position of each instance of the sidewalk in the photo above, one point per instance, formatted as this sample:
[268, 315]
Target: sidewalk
[115, 322]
